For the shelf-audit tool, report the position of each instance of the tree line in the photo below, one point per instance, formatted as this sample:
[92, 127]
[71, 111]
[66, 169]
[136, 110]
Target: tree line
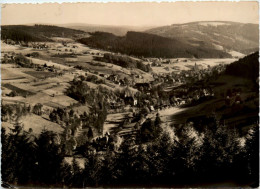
[167, 160]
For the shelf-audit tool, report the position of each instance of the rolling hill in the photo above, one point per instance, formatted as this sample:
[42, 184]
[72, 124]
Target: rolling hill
[37, 33]
[149, 45]
[224, 36]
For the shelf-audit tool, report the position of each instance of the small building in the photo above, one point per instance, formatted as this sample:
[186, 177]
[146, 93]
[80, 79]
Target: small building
[144, 86]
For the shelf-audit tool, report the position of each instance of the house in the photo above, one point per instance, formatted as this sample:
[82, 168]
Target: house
[113, 77]
[102, 75]
[142, 86]
[116, 105]
[129, 100]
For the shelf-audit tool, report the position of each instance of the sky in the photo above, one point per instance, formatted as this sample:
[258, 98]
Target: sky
[129, 14]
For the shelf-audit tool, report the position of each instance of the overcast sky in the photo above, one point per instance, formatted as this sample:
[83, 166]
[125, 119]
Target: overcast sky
[131, 14]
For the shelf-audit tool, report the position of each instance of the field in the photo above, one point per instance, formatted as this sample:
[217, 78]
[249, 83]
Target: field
[37, 123]
[10, 73]
[51, 101]
[40, 74]
[19, 91]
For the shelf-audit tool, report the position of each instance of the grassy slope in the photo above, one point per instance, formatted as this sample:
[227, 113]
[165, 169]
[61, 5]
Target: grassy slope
[230, 35]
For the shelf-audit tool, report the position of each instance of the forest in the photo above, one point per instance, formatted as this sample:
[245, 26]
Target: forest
[124, 61]
[149, 45]
[162, 160]
[246, 67]
[36, 33]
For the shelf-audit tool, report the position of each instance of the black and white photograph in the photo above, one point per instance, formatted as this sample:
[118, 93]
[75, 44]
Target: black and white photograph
[130, 95]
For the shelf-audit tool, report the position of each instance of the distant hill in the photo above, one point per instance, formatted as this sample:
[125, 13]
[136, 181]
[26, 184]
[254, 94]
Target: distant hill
[247, 67]
[226, 36]
[19, 33]
[149, 45]
[116, 30]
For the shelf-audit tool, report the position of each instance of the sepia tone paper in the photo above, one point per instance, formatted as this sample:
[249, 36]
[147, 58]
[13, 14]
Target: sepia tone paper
[140, 94]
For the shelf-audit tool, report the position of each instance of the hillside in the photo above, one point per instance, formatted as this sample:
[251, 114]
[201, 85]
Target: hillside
[227, 36]
[37, 33]
[247, 67]
[149, 45]
[236, 96]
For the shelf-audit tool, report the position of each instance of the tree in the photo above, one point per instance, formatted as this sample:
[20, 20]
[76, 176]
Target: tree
[218, 152]
[37, 109]
[157, 121]
[18, 157]
[92, 172]
[252, 154]
[49, 159]
[90, 134]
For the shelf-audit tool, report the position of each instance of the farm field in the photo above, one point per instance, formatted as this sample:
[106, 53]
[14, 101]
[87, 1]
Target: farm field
[55, 101]
[9, 73]
[37, 123]
[40, 74]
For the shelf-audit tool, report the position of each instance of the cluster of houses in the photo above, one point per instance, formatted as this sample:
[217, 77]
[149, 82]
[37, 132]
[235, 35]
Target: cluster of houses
[7, 58]
[9, 42]
[39, 46]
[233, 98]
[157, 62]
[196, 73]
[116, 79]
[188, 97]
[49, 69]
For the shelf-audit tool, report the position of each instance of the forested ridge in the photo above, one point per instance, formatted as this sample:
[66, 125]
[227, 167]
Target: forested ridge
[36, 33]
[148, 45]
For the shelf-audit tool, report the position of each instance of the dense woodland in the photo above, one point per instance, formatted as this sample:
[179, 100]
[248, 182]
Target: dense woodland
[215, 155]
[36, 33]
[246, 67]
[124, 61]
[149, 45]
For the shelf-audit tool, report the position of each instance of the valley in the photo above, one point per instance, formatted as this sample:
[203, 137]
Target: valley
[92, 96]
[51, 72]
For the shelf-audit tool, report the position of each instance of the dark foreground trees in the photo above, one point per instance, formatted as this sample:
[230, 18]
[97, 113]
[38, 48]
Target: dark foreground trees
[215, 156]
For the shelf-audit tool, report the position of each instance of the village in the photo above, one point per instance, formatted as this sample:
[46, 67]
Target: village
[130, 95]
[33, 81]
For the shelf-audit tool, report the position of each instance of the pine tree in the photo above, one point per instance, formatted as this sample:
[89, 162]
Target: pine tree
[252, 154]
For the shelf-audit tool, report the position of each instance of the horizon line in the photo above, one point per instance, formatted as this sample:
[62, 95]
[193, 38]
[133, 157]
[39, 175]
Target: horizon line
[112, 25]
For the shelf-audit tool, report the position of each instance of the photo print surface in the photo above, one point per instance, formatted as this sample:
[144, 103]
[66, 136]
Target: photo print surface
[130, 95]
